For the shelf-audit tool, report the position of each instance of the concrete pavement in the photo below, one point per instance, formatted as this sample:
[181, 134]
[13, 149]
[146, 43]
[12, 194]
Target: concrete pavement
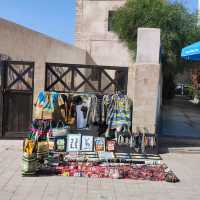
[181, 119]
[15, 187]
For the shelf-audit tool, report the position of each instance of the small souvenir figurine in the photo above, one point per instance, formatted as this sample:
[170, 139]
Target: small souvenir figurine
[99, 144]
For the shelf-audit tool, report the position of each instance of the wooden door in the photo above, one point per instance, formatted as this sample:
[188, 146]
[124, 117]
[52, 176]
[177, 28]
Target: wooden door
[18, 98]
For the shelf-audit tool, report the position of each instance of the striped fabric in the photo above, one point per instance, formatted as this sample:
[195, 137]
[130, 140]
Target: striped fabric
[118, 111]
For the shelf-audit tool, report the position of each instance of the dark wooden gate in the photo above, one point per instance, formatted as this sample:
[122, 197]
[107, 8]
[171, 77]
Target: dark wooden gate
[17, 97]
[85, 78]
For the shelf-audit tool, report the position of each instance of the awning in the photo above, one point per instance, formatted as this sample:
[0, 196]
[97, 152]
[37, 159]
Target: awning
[191, 52]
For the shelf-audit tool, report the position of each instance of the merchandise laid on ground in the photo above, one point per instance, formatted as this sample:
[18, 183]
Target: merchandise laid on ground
[89, 135]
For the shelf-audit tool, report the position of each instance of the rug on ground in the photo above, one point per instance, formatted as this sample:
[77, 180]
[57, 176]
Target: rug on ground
[122, 166]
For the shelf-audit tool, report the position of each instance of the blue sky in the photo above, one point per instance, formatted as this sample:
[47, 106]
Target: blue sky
[55, 18]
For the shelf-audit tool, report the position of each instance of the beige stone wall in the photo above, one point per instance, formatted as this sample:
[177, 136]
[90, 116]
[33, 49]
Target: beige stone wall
[146, 97]
[148, 81]
[92, 26]
[24, 44]
[92, 35]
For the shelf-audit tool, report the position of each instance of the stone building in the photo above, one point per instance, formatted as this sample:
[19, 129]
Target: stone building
[95, 44]
[94, 34]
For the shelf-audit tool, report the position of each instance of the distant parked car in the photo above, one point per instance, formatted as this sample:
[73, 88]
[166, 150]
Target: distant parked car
[182, 89]
[178, 89]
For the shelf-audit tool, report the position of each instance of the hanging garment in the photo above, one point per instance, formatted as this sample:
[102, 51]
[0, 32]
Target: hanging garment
[59, 109]
[70, 110]
[92, 114]
[43, 103]
[91, 110]
[95, 106]
[106, 106]
[118, 112]
[86, 107]
[81, 121]
[46, 103]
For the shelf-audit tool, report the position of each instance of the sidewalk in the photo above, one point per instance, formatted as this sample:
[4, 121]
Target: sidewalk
[181, 119]
[15, 187]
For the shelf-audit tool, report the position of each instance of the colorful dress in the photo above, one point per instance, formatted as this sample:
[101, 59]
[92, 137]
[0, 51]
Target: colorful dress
[118, 112]
[46, 104]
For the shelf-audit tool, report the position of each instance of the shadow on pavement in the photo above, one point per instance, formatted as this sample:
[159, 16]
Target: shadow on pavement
[180, 126]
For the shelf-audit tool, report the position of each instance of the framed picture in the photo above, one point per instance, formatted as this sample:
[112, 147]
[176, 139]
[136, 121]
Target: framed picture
[87, 143]
[99, 143]
[73, 142]
[51, 145]
[110, 145]
[60, 144]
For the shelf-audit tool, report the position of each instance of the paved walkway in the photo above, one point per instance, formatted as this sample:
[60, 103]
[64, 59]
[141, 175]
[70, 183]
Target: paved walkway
[181, 118]
[15, 187]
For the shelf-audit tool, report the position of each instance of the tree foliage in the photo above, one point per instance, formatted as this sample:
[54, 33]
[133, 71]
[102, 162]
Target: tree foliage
[177, 24]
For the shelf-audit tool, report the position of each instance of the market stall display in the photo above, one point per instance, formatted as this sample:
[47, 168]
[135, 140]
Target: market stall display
[78, 135]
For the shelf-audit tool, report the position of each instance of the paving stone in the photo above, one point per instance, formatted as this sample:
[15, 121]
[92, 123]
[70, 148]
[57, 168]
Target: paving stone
[15, 187]
[5, 195]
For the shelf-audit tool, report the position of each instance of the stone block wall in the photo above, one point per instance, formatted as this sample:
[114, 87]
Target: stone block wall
[146, 99]
[92, 33]
[148, 81]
